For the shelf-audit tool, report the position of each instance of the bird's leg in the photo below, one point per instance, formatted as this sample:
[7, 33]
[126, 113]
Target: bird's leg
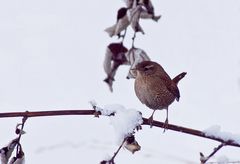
[165, 126]
[150, 119]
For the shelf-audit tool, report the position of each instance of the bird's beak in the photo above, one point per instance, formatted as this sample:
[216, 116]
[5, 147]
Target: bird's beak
[133, 71]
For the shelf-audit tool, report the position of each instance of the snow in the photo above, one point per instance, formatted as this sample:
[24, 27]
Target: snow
[215, 131]
[104, 112]
[222, 160]
[51, 56]
[107, 157]
[124, 121]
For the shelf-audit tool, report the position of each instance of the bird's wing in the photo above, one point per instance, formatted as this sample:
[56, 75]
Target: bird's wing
[171, 86]
[174, 90]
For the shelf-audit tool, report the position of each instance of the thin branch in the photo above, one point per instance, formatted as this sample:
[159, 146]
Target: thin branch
[47, 113]
[215, 150]
[145, 122]
[191, 132]
[24, 119]
[133, 39]
[231, 162]
[111, 161]
[124, 35]
[115, 154]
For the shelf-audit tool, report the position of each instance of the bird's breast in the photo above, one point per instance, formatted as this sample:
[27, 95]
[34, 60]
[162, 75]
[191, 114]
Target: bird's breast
[152, 92]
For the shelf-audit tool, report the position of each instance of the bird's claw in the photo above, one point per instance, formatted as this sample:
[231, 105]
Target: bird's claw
[165, 126]
[150, 121]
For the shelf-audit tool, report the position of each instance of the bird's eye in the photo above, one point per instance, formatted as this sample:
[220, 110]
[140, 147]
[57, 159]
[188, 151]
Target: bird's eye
[148, 67]
[145, 68]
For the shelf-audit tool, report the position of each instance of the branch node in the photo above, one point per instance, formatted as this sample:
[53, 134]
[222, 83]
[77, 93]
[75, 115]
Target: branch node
[204, 159]
[97, 114]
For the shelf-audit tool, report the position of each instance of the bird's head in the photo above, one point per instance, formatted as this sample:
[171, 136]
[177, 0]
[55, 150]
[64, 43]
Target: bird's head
[147, 68]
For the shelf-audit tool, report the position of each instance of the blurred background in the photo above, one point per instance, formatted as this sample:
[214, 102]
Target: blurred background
[51, 57]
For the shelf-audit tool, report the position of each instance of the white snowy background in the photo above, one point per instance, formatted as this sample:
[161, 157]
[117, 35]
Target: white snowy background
[51, 54]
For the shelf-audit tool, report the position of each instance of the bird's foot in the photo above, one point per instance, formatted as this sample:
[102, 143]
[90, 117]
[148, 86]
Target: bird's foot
[165, 126]
[150, 121]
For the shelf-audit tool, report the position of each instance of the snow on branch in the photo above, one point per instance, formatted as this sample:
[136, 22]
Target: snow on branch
[159, 124]
[127, 121]
[215, 131]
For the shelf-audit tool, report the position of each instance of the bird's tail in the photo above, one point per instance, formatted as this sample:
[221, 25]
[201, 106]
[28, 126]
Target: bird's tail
[179, 77]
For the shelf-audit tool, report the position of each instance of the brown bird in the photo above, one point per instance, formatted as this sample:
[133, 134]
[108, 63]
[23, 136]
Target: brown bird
[155, 88]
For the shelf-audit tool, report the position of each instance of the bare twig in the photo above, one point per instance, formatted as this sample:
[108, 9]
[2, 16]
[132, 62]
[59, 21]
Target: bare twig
[123, 36]
[231, 162]
[215, 150]
[47, 113]
[133, 39]
[19, 148]
[111, 161]
[115, 154]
